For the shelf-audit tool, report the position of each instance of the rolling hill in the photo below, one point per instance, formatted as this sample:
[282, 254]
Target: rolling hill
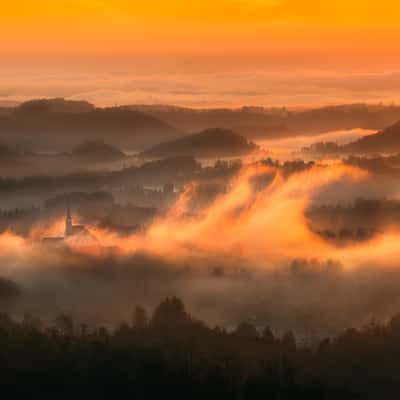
[209, 143]
[58, 124]
[385, 141]
[97, 151]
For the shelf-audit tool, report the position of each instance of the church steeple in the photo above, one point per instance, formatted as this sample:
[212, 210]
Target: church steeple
[68, 223]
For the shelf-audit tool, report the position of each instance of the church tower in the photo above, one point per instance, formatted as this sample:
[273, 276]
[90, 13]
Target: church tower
[68, 223]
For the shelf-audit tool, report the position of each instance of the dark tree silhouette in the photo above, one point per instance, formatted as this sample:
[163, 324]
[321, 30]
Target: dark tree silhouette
[139, 320]
[176, 356]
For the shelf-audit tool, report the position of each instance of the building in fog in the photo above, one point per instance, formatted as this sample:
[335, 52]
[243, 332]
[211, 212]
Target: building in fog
[75, 233]
[70, 228]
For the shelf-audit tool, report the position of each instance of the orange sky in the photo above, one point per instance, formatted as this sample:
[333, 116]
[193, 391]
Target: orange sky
[103, 38]
[157, 26]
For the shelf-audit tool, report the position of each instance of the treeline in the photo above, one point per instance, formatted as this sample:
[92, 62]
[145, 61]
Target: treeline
[178, 170]
[173, 355]
[377, 164]
[358, 221]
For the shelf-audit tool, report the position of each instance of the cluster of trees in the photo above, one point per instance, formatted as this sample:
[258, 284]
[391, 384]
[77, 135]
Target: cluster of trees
[323, 148]
[173, 355]
[345, 235]
[377, 164]
[289, 167]
[19, 220]
[358, 221]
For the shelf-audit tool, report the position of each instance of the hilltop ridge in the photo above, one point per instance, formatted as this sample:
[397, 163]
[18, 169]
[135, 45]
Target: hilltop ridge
[215, 142]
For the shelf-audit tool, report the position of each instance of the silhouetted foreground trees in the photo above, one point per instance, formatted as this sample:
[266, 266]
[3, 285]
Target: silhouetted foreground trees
[172, 355]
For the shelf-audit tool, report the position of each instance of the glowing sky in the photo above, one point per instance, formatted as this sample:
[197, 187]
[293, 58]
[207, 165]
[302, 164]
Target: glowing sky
[128, 26]
[207, 36]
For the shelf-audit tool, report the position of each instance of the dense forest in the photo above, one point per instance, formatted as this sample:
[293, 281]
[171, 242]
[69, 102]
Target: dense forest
[173, 355]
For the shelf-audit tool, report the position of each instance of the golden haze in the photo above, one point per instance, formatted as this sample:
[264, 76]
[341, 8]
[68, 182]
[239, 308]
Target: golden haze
[241, 227]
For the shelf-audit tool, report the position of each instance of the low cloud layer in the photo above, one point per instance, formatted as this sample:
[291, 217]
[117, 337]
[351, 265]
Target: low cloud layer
[203, 89]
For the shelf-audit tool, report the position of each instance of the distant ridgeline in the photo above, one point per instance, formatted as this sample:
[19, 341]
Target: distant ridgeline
[57, 125]
[278, 122]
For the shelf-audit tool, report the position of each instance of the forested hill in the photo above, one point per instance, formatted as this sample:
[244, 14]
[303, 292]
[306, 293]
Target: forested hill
[209, 143]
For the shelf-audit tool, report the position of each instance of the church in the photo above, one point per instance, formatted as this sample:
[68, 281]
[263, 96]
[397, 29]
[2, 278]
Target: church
[76, 234]
[70, 228]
